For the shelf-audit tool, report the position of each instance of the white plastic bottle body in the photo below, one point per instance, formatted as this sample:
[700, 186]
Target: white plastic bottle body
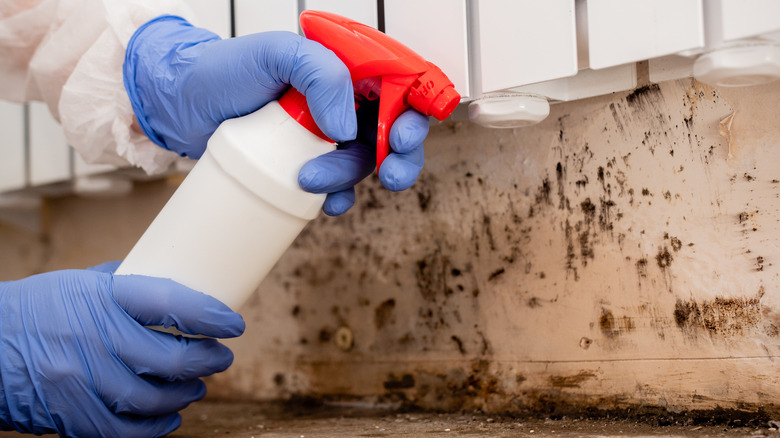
[237, 211]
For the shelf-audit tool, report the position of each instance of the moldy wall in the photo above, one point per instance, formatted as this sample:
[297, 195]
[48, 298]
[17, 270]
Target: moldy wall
[621, 253]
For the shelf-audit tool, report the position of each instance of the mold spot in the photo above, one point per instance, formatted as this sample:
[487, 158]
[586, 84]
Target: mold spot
[588, 209]
[325, 335]
[586, 250]
[664, 258]
[721, 316]
[383, 314]
[641, 267]
[543, 193]
[495, 274]
[279, 379]
[642, 93]
[404, 382]
[759, 263]
[423, 199]
[676, 243]
[573, 381]
[605, 214]
[431, 275]
[612, 327]
[458, 343]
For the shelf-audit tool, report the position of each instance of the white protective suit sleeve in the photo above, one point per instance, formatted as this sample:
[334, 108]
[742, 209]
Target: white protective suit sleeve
[69, 54]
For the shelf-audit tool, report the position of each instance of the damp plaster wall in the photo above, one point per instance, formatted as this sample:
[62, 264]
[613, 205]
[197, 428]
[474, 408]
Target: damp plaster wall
[622, 253]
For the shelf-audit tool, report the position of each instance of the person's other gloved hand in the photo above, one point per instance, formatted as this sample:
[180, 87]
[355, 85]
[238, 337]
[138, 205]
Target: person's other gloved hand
[184, 81]
[76, 359]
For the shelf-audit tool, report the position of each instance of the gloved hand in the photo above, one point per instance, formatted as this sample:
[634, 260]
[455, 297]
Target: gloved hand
[337, 172]
[184, 81]
[76, 359]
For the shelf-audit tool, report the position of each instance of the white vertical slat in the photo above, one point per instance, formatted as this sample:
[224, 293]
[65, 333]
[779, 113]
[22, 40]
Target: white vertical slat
[254, 16]
[49, 152]
[12, 165]
[363, 11]
[444, 44]
[623, 31]
[213, 15]
[521, 42]
[747, 18]
[586, 83]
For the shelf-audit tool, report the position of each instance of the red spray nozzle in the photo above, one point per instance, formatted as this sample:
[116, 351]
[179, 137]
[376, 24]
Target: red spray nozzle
[407, 80]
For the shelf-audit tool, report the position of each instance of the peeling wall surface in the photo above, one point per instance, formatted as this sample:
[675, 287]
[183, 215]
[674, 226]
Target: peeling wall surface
[622, 253]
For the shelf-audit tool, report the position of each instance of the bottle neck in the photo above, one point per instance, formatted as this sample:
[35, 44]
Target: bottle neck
[294, 103]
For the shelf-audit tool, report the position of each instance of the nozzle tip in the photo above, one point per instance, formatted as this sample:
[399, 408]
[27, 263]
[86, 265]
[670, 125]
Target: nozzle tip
[444, 104]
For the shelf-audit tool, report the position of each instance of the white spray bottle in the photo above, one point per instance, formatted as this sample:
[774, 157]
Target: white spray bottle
[241, 207]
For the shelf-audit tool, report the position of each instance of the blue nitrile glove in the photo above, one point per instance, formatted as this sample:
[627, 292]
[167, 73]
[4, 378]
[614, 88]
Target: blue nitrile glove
[337, 172]
[184, 81]
[76, 359]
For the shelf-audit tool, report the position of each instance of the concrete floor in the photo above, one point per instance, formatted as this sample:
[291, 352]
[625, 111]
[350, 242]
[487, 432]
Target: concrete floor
[301, 420]
[245, 420]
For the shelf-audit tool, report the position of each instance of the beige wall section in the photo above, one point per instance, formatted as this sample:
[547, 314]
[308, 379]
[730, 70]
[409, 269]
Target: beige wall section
[622, 252]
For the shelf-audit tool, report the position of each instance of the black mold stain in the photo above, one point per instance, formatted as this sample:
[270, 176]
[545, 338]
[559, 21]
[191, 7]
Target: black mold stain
[458, 388]
[383, 314]
[586, 250]
[404, 382]
[488, 231]
[573, 381]
[605, 219]
[588, 209]
[495, 274]
[423, 199]
[642, 93]
[372, 203]
[641, 267]
[560, 172]
[613, 327]
[570, 254]
[543, 193]
[664, 258]
[431, 275]
[721, 316]
[616, 117]
[676, 244]
[459, 344]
